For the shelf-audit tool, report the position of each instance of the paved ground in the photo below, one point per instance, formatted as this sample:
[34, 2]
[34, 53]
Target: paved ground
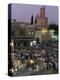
[26, 72]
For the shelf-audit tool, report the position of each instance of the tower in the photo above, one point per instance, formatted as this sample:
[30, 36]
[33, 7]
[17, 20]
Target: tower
[42, 20]
[42, 12]
[42, 23]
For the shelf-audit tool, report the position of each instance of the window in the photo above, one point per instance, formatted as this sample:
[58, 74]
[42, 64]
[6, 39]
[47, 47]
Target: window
[12, 33]
[31, 33]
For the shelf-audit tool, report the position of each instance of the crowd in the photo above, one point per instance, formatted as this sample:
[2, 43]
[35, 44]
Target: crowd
[45, 56]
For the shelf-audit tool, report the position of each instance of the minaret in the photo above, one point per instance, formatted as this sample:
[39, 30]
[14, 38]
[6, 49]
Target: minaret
[41, 31]
[42, 20]
[42, 12]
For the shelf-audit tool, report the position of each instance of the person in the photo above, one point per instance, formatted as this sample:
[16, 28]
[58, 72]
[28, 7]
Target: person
[54, 66]
[47, 59]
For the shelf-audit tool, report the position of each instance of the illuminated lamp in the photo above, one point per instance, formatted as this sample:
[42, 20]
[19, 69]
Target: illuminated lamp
[12, 44]
[34, 42]
[31, 61]
[32, 33]
[44, 31]
[29, 33]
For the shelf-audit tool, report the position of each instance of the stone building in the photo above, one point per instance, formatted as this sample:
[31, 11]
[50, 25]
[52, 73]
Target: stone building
[42, 26]
[24, 34]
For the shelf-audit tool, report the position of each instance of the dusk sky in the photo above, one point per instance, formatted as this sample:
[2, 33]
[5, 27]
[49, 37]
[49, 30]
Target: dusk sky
[23, 12]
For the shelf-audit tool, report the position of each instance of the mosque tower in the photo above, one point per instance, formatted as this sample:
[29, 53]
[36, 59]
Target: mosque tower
[42, 26]
[42, 20]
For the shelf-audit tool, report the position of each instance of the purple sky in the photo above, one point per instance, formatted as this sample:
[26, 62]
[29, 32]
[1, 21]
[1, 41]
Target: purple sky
[23, 12]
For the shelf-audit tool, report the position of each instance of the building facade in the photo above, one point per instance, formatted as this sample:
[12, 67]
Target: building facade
[24, 34]
[42, 23]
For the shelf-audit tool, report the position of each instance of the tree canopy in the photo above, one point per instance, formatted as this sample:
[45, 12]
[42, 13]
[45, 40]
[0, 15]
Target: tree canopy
[54, 27]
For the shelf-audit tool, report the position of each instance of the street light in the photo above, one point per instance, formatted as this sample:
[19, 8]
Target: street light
[44, 31]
